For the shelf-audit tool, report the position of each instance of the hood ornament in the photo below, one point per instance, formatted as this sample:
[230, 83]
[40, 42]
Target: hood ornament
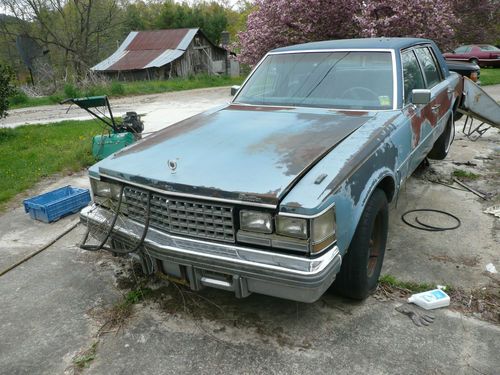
[172, 164]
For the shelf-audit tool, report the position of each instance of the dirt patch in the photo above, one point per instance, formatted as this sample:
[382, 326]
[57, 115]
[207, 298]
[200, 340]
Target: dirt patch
[470, 261]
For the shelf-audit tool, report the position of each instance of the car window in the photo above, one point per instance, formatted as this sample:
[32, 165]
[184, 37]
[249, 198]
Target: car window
[429, 66]
[347, 80]
[412, 75]
[488, 48]
[461, 49]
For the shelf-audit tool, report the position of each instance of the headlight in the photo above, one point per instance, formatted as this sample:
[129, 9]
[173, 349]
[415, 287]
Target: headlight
[323, 231]
[255, 221]
[105, 189]
[291, 226]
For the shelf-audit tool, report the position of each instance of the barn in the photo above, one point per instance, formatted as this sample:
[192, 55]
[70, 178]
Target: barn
[162, 54]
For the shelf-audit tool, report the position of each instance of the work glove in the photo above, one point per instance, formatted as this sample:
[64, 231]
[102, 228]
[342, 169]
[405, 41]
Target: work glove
[417, 315]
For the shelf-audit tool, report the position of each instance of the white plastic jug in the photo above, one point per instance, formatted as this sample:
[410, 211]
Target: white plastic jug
[432, 299]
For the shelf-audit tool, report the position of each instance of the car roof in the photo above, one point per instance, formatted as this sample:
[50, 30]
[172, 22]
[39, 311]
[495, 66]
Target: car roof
[364, 43]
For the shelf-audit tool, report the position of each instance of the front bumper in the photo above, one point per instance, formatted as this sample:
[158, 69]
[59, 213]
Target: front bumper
[234, 268]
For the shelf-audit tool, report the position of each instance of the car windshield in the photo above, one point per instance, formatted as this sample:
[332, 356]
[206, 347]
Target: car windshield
[340, 80]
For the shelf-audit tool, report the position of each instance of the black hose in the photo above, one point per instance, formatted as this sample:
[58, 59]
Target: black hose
[113, 222]
[144, 233]
[427, 227]
[102, 246]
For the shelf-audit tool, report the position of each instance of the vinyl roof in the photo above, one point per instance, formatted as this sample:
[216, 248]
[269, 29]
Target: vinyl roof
[148, 49]
[382, 43]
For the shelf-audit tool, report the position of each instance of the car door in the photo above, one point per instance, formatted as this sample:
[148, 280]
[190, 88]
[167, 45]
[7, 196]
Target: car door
[429, 120]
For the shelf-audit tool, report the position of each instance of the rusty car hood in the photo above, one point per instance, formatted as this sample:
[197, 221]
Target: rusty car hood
[243, 153]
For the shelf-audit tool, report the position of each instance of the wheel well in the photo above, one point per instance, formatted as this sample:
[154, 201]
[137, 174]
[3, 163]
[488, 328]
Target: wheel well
[388, 186]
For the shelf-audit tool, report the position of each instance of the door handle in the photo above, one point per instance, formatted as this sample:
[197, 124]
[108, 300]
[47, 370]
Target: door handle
[435, 107]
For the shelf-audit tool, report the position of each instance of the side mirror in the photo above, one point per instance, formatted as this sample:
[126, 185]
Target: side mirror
[421, 96]
[234, 90]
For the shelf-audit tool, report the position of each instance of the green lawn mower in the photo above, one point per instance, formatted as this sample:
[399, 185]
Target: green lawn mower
[120, 134]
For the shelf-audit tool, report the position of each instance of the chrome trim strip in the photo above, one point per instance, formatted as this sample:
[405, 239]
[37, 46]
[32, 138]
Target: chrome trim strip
[302, 216]
[252, 258]
[193, 196]
[394, 76]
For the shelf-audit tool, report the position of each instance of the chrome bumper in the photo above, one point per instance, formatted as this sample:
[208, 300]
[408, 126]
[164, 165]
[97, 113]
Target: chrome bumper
[235, 268]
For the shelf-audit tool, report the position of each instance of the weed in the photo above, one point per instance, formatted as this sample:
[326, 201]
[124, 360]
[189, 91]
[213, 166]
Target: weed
[70, 91]
[409, 286]
[86, 357]
[117, 89]
[460, 173]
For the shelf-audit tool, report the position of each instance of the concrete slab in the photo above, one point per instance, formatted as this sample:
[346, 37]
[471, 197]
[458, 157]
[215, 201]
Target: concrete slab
[20, 235]
[44, 307]
[456, 257]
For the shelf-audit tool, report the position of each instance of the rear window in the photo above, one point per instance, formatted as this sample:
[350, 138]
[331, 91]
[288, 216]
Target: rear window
[429, 66]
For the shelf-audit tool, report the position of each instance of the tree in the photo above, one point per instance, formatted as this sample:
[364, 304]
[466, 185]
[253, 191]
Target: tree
[72, 29]
[209, 16]
[479, 21]
[277, 23]
[6, 88]
[432, 19]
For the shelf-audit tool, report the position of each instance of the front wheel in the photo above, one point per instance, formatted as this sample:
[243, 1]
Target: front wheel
[362, 263]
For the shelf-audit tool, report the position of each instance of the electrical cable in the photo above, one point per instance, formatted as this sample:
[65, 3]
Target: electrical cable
[427, 227]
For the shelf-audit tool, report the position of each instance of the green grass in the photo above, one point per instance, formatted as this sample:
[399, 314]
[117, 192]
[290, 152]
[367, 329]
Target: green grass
[490, 76]
[119, 89]
[460, 173]
[414, 287]
[29, 153]
[88, 356]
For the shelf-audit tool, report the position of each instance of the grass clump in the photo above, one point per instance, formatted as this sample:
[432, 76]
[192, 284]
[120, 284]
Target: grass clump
[410, 286]
[460, 173]
[86, 357]
[29, 153]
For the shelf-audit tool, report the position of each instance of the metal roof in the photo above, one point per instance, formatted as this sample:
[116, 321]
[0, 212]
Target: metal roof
[148, 49]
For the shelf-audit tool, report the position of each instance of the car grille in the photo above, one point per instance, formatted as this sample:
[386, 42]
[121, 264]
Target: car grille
[179, 216]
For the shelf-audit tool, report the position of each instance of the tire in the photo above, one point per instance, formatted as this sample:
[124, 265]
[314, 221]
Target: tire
[443, 143]
[474, 61]
[362, 263]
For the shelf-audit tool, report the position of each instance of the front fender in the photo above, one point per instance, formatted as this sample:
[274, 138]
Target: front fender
[351, 199]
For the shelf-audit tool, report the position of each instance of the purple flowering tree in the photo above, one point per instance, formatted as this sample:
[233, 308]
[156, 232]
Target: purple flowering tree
[432, 19]
[277, 23]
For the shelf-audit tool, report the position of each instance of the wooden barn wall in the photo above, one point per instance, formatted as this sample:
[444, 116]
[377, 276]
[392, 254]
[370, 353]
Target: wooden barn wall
[196, 60]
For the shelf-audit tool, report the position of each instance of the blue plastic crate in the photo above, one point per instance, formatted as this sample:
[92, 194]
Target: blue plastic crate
[55, 204]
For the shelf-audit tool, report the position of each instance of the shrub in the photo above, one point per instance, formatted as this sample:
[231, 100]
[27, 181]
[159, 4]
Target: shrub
[71, 91]
[6, 88]
[117, 89]
[19, 97]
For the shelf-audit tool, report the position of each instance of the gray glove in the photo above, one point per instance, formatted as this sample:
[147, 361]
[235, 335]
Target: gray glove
[417, 315]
